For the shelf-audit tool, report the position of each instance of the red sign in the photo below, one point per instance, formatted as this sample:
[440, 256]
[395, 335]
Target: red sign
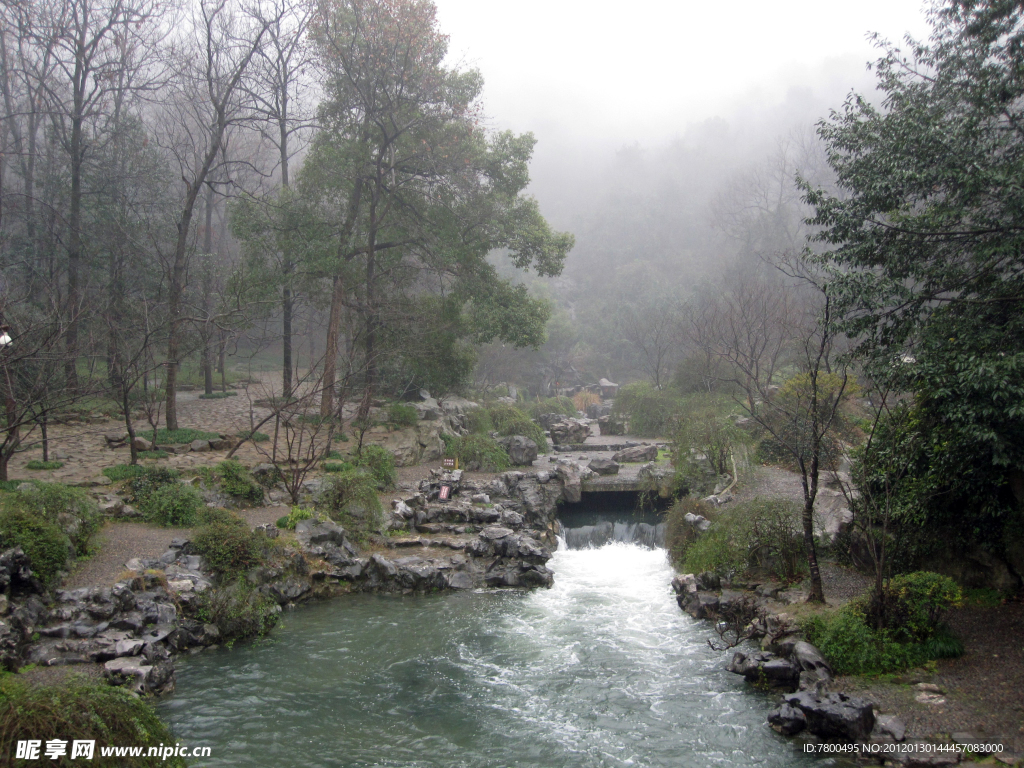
[445, 492]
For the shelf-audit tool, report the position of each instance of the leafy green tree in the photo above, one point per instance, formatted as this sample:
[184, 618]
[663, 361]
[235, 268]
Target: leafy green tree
[924, 243]
[417, 193]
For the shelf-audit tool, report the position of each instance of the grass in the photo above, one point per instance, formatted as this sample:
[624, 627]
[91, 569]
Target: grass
[37, 464]
[153, 454]
[120, 472]
[177, 436]
[257, 437]
[218, 395]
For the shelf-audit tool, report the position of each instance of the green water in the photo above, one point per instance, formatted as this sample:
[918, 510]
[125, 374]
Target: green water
[601, 670]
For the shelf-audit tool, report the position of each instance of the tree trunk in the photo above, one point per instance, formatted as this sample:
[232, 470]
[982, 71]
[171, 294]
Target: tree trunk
[207, 336]
[331, 353]
[810, 487]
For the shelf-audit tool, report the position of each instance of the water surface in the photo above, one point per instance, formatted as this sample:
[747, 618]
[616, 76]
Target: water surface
[601, 670]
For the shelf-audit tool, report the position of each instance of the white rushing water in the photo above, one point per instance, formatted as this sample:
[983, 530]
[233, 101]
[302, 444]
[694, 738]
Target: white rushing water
[603, 670]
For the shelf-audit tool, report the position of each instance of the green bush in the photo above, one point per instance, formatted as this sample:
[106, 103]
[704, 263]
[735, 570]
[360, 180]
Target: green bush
[563, 405]
[120, 472]
[290, 520]
[509, 420]
[238, 610]
[911, 605]
[146, 480]
[336, 466]
[478, 452]
[42, 540]
[478, 421]
[217, 396]
[402, 415]
[80, 709]
[350, 498]
[208, 515]
[229, 547]
[650, 412]
[853, 648]
[37, 464]
[237, 482]
[761, 534]
[381, 464]
[679, 535]
[178, 436]
[173, 505]
[71, 509]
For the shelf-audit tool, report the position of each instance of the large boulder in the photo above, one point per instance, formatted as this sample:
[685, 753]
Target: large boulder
[521, 450]
[565, 430]
[572, 483]
[766, 670]
[637, 453]
[835, 715]
[609, 425]
[603, 467]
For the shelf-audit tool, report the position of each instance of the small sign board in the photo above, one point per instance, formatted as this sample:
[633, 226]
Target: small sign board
[445, 492]
[448, 463]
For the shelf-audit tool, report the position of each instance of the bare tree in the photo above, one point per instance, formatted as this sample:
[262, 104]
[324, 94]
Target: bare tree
[207, 98]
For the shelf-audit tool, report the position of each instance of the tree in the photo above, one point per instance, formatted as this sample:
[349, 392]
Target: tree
[206, 99]
[416, 191]
[923, 242]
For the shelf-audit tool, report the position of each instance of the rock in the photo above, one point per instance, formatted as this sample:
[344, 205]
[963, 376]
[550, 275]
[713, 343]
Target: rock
[142, 444]
[199, 446]
[684, 584]
[289, 590]
[708, 581]
[26, 488]
[765, 670]
[698, 522]
[111, 505]
[543, 477]
[564, 430]
[609, 425]
[480, 498]
[603, 467]
[116, 439]
[223, 443]
[787, 720]
[140, 677]
[812, 665]
[891, 726]
[572, 485]
[700, 605]
[326, 532]
[835, 716]
[637, 453]
[521, 450]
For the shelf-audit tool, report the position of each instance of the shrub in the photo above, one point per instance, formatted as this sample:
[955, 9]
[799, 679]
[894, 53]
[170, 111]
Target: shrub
[120, 472]
[336, 466]
[680, 535]
[84, 710]
[702, 427]
[37, 464]
[583, 400]
[562, 405]
[478, 421]
[174, 505]
[761, 533]
[402, 415]
[218, 396]
[509, 420]
[350, 498]
[238, 610]
[177, 436]
[148, 480]
[71, 509]
[853, 648]
[229, 547]
[478, 452]
[911, 605]
[237, 482]
[290, 520]
[208, 515]
[381, 464]
[650, 412]
[42, 540]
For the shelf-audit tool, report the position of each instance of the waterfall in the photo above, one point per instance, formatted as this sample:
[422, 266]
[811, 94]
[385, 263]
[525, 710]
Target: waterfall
[599, 534]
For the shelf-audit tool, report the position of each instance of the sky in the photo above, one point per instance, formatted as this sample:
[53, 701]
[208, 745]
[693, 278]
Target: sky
[599, 74]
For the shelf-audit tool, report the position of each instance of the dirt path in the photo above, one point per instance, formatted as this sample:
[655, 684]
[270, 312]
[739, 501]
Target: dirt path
[118, 542]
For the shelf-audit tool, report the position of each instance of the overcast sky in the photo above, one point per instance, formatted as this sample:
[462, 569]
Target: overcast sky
[598, 73]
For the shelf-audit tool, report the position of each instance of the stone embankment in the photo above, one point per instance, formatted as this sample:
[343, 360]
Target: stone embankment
[787, 663]
[448, 533]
